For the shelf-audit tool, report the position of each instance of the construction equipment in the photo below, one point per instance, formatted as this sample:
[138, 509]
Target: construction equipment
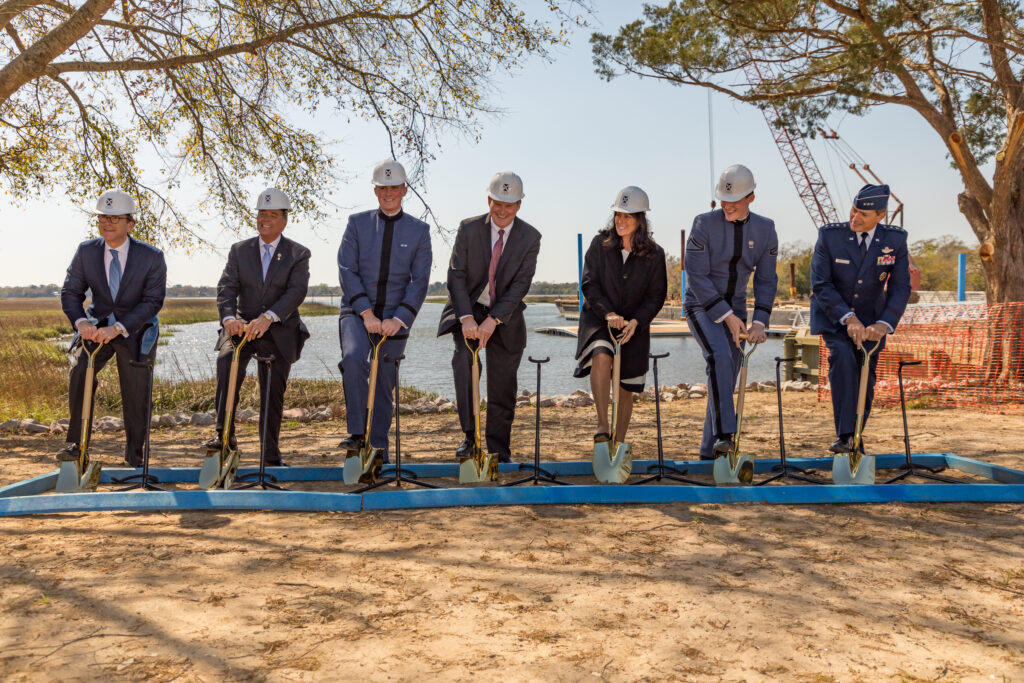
[854, 467]
[222, 463]
[363, 466]
[613, 461]
[80, 476]
[480, 466]
[737, 468]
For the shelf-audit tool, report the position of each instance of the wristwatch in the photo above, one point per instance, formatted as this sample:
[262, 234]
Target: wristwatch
[267, 315]
[497, 321]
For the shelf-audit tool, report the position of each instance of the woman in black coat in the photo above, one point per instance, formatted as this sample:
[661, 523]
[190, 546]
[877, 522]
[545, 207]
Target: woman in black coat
[624, 287]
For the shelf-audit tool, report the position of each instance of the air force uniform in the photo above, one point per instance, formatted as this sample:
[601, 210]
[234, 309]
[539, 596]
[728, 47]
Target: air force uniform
[720, 258]
[384, 266]
[874, 284]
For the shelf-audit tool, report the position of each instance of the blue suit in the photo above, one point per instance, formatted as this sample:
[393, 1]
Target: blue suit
[875, 287]
[720, 258]
[140, 297]
[384, 266]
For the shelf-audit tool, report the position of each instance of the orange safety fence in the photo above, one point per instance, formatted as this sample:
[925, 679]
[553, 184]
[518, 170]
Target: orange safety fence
[973, 357]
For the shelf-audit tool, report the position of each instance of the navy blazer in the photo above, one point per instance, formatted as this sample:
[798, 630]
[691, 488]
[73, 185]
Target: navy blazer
[842, 281]
[243, 293]
[139, 297]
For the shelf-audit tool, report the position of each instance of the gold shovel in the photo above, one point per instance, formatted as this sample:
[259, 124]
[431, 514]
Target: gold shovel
[220, 465]
[736, 467]
[480, 466]
[854, 467]
[615, 469]
[81, 476]
[363, 466]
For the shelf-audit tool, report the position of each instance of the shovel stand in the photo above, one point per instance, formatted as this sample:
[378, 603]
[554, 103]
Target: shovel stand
[910, 468]
[146, 481]
[398, 474]
[783, 469]
[539, 473]
[661, 470]
[263, 480]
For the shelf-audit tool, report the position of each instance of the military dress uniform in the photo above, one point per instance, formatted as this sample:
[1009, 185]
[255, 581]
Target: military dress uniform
[384, 266]
[720, 258]
[874, 284]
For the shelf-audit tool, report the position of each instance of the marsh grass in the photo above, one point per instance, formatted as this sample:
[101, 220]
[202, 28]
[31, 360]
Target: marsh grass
[34, 365]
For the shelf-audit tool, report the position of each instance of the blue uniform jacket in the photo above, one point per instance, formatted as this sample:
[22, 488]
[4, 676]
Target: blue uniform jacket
[396, 276]
[720, 259]
[842, 281]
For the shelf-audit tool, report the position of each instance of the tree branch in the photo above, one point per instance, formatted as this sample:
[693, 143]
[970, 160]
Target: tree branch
[1008, 83]
[33, 62]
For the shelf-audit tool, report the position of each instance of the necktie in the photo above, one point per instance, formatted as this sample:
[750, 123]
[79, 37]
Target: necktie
[266, 259]
[114, 278]
[495, 257]
[863, 244]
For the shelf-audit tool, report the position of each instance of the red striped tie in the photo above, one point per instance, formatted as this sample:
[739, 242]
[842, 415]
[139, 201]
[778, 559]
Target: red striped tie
[495, 257]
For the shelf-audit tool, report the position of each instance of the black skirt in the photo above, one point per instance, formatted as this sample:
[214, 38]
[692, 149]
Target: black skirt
[593, 338]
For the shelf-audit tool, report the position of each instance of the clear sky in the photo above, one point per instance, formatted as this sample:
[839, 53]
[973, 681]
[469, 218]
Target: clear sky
[576, 140]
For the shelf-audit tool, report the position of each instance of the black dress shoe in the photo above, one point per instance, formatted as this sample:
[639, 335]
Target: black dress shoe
[353, 442]
[134, 464]
[276, 463]
[723, 445]
[843, 444]
[708, 457]
[215, 444]
[465, 449]
[69, 453]
[504, 458]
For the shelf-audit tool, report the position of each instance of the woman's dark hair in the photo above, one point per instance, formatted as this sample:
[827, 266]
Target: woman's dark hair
[643, 244]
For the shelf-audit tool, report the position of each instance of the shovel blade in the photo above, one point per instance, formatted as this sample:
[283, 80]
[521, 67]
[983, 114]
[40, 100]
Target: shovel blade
[477, 469]
[363, 466]
[209, 475]
[229, 470]
[612, 469]
[91, 479]
[725, 473]
[847, 470]
[68, 479]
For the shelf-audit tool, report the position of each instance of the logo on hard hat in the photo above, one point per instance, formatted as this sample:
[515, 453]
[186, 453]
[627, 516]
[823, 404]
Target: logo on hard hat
[625, 199]
[387, 172]
[504, 187]
[110, 202]
[266, 198]
[728, 187]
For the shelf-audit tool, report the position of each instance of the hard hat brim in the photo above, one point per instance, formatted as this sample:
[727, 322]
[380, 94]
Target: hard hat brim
[619, 209]
[376, 184]
[503, 199]
[723, 197]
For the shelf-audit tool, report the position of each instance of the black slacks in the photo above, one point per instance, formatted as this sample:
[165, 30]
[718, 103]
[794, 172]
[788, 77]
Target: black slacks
[502, 364]
[279, 370]
[135, 401]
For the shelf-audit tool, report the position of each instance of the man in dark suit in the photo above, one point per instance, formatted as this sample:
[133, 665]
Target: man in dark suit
[258, 296]
[128, 281]
[489, 274]
[860, 284]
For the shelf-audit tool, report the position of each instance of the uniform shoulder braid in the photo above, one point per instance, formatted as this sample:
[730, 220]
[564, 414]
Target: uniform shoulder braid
[893, 228]
[835, 226]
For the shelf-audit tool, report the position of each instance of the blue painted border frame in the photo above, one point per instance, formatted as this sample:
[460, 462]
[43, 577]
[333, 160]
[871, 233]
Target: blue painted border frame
[26, 497]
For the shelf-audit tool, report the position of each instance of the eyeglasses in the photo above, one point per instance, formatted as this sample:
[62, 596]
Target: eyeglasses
[110, 219]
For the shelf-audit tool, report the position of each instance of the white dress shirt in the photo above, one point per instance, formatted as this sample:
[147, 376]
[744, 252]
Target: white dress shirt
[263, 248]
[108, 258]
[485, 295]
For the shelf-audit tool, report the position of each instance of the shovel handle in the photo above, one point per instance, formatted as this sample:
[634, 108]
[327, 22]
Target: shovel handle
[371, 394]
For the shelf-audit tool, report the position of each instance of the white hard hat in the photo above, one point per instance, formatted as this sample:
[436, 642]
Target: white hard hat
[273, 198]
[115, 203]
[388, 173]
[631, 200]
[735, 183]
[505, 186]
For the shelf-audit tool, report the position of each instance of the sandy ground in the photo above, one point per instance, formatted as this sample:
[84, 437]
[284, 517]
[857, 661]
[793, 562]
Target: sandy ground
[672, 592]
